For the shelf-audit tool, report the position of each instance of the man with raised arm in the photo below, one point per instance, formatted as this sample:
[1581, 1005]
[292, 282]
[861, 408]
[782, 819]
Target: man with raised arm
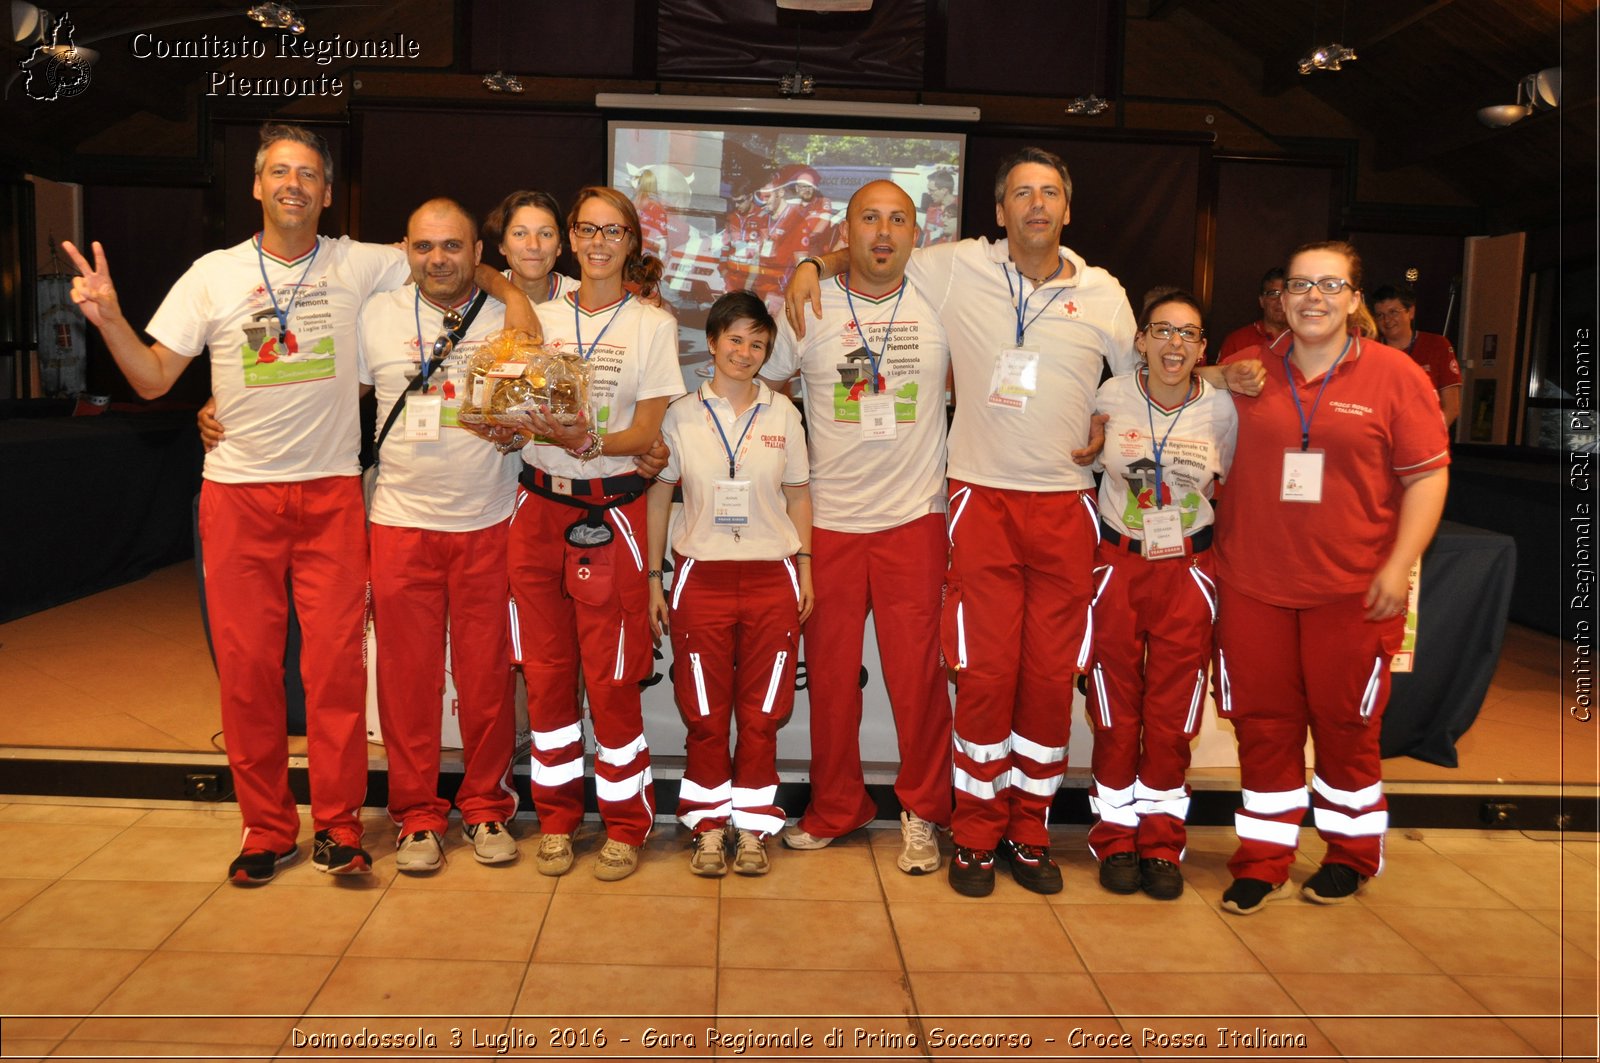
[1031, 326]
[281, 498]
[874, 370]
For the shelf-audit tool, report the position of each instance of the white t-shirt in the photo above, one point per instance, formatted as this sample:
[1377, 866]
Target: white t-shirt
[563, 283]
[632, 350]
[861, 485]
[1075, 325]
[289, 408]
[457, 482]
[769, 454]
[1197, 451]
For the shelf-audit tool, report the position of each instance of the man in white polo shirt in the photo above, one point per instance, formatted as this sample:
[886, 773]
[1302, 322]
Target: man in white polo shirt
[440, 515]
[1031, 327]
[875, 368]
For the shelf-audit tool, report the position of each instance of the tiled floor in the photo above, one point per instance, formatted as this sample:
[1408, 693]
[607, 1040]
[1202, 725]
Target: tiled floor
[118, 940]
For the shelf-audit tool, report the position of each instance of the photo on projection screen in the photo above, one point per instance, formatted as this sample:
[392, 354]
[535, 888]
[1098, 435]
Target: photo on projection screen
[736, 207]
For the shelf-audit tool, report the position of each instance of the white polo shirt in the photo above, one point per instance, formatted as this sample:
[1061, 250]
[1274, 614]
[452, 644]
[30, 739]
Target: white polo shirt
[1076, 324]
[457, 482]
[861, 485]
[1197, 441]
[632, 351]
[562, 284]
[770, 456]
[291, 408]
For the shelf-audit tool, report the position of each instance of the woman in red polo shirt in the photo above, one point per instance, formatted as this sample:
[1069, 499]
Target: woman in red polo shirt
[1336, 489]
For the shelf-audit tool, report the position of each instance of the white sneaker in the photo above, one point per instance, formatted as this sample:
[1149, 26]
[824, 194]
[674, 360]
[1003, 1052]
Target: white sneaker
[795, 838]
[419, 852]
[750, 856]
[617, 860]
[491, 843]
[919, 846]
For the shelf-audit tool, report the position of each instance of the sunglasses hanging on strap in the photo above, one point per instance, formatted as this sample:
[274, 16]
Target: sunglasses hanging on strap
[456, 325]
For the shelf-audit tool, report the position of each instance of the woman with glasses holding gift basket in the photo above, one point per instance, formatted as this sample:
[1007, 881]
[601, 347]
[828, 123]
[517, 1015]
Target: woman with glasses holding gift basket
[1337, 487]
[1169, 440]
[577, 550]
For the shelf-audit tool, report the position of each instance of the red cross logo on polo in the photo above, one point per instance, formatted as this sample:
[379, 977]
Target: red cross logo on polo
[1071, 309]
[583, 571]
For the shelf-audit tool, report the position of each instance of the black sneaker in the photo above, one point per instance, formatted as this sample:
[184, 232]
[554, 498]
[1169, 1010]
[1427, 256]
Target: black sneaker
[1119, 873]
[1031, 866]
[257, 867]
[972, 872]
[1160, 879]
[1247, 895]
[1333, 884]
[335, 857]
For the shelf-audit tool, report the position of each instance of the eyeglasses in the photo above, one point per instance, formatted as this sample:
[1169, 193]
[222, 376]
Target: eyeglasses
[1326, 285]
[1165, 330]
[614, 234]
[1272, 293]
[446, 343]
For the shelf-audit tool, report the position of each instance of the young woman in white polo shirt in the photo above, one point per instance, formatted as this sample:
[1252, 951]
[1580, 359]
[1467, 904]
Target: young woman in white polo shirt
[741, 585]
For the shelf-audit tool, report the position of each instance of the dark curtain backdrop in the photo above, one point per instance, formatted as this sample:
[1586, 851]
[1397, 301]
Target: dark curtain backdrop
[753, 39]
[1032, 47]
[553, 38]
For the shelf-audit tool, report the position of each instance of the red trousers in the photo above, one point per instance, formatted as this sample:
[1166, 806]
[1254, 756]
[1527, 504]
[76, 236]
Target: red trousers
[897, 574]
[1016, 628]
[1280, 671]
[256, 537]
[424, 583]
[590, 606]
[1152, 642]
[735, 631]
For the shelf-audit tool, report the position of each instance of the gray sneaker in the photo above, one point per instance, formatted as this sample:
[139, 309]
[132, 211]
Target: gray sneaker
[491, 843]
[919, 847]
[555, 854]
[709, 858]
[795, 838]
[750, 854]
[419, 852]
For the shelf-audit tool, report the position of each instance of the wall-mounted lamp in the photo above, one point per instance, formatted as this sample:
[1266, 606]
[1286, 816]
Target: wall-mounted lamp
[500, 81]
[1536, 92]
[1088, 106]
[279, 15]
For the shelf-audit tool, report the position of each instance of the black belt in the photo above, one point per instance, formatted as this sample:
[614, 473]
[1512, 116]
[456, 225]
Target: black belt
[560, 488]
[1199, 542]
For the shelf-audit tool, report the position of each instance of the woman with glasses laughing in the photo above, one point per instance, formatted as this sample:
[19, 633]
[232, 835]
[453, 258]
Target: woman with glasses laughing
[1169, 440]
[1338, 486]
[578, 585]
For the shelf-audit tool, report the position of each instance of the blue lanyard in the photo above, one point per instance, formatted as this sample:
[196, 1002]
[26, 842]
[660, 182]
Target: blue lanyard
[423, 358]
[577, 325]
[1021, 294]
[755, 411]
[283, 314]
[1150, 411]
[1294, 392]
[873, 359]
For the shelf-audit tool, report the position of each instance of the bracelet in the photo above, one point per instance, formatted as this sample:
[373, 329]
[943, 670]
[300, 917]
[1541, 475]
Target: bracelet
[815, 261]
[595, 448]
[654, 573]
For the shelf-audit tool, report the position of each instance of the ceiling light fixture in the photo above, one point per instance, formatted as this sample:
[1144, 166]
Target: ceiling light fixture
[500, 81]
[1326, 57]
[279, 15]
[1089, 105]
[1536, 92]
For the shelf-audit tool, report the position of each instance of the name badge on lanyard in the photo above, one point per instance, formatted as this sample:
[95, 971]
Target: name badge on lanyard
[877, 417]
[1163, 534]
[1302, 475]
[730, 503]
[422, 417]
[1015, 380]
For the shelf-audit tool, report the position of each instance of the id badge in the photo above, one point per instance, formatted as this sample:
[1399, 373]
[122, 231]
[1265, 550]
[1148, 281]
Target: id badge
[422, 417]
[730, 503]
[877, 416]
[1302, 476]
[1015, 380]
[1163, 534]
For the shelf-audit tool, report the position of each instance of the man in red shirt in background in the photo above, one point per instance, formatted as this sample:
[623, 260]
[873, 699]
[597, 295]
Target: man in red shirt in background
[1269, 327]
[1395, 309]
